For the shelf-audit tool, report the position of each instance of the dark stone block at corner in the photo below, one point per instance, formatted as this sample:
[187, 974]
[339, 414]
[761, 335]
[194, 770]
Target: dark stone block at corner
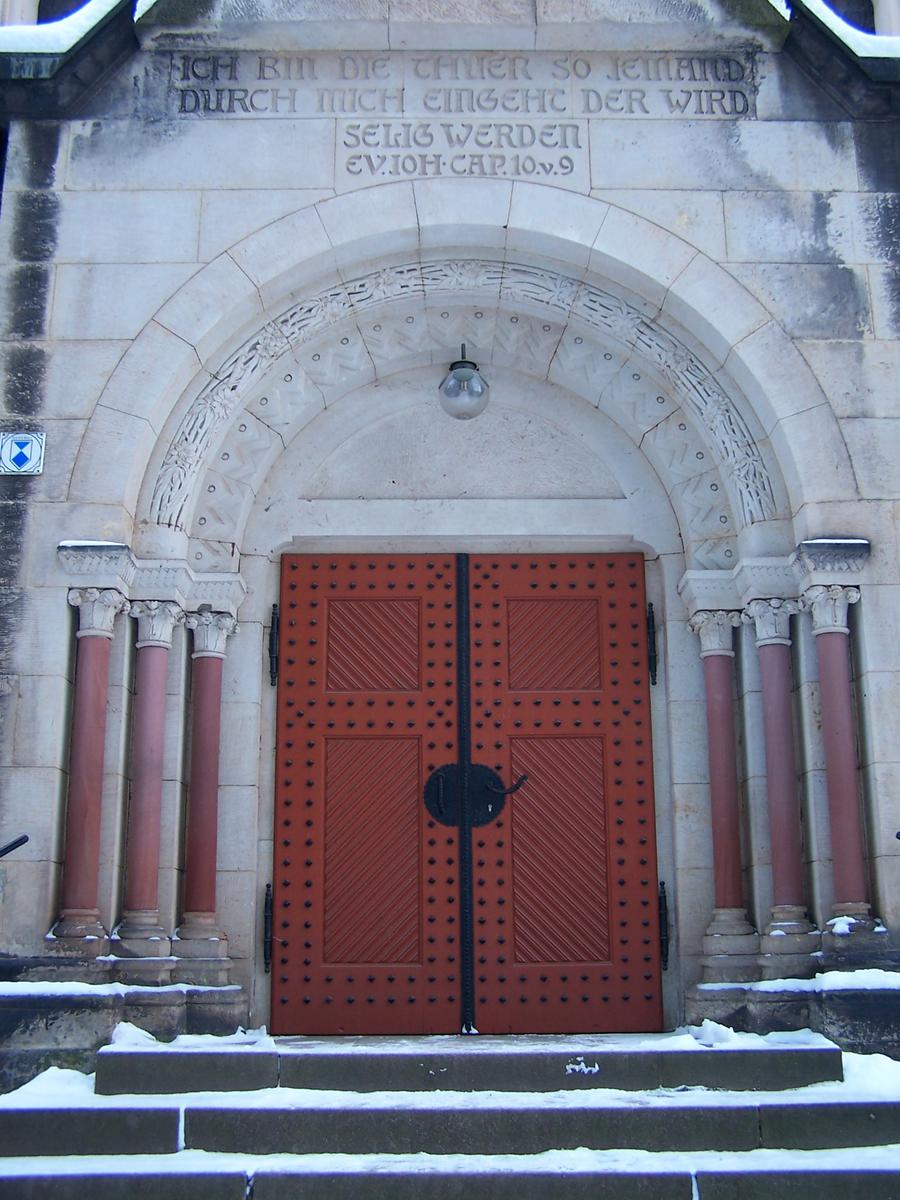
[799, 1185]
[519, 1185]
[37, 1131]
[163, 1072]
[164, 1186]
[751, 1070]
[18, 1065]
[28, 293]
[817, 1126]
[866, 1020]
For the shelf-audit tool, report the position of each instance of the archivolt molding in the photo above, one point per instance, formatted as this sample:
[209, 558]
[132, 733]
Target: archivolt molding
[513, 285]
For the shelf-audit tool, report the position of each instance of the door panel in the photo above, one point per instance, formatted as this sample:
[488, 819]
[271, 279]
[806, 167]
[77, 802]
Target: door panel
[560, 893]
[371, 902]
[367, 893]
[566, 925]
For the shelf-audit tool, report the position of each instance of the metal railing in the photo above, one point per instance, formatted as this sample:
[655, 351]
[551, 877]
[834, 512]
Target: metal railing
[13, 845]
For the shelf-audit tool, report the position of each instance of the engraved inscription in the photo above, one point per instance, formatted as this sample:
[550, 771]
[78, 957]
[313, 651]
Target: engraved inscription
[417, 114]
[416, 84]
[498, 149]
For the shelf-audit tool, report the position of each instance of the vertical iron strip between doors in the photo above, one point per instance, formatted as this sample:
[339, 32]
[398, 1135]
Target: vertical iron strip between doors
[465, 795]
[464, 758]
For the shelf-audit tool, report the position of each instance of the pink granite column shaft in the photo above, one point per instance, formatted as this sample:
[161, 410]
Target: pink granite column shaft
[199, 933]
[730, 944]
[718, 673]
[203, 804]
[144, 812]
[79, 891]
[829, 605]
[141, 923]
[79, 908]
[848, 858]
[781, 775]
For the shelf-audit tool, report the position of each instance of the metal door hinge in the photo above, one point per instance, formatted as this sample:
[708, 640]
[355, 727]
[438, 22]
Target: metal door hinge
[267, 929]
[663, 927]
[651, 644]
[273, 647]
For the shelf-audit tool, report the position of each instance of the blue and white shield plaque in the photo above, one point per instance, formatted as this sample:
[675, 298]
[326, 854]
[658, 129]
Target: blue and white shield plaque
[21, 453]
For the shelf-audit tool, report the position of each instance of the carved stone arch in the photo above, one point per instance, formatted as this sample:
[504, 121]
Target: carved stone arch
[191, 373]
[544, 321]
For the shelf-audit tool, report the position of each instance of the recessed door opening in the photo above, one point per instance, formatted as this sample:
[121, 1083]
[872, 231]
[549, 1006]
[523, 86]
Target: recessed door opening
[464, 803]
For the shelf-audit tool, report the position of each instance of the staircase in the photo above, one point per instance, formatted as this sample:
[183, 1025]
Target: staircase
[492, 1118]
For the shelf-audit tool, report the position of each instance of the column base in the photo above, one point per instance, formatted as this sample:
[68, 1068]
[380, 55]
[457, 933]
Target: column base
[787, 965]
[201, 951]
[198, 936]
[731, 967]
[788, 943]
[205, 972]
[140, 935]
[730, 948]
[78, 932]
[730, 923]
[142, 970]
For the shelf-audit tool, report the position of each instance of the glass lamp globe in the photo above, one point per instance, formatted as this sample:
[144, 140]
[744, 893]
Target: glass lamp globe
[463, 392]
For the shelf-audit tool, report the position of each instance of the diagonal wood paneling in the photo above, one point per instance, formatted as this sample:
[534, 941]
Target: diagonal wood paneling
[373, 645]
[553, 645]
[560, 894]
[372, 850]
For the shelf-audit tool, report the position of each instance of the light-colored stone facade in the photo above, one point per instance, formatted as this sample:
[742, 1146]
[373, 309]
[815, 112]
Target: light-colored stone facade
[234, 280]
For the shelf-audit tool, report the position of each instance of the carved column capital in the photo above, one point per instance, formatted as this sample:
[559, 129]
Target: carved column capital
[715, 629]
[156, 621]
[772, 620]
[829, 605]
[211, 632]
[97, 610]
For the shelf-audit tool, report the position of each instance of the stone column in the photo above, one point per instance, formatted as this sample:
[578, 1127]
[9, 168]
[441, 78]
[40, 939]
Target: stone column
[887, 17]
[789, 938]
[199, 936]
[851, 914]
[79, 927]
[18, 12]
[731, 944]
[140, 933]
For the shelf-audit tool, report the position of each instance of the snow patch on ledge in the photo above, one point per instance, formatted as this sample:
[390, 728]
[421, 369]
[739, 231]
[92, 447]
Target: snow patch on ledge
[709, 1035]
[867, 979]
[127, 1037]
[55, 37]
[547, 1165]
[71, 987]
[866, 1077]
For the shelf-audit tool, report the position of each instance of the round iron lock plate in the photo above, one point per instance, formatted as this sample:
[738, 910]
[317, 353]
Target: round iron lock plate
[443, 795]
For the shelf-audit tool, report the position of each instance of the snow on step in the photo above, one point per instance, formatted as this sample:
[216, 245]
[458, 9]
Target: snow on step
[707, 1055]
[567, 1175]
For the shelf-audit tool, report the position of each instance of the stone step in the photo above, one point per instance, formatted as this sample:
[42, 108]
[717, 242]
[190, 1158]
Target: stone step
[452, 1124]
[538, 1127]
[41, 1027]
[438, 1064]
[453, 1180]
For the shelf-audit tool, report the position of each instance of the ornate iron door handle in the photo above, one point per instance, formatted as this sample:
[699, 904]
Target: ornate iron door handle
[443, 794]
[502, 791]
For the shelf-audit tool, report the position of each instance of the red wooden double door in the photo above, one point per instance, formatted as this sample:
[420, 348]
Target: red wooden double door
[388, 673]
